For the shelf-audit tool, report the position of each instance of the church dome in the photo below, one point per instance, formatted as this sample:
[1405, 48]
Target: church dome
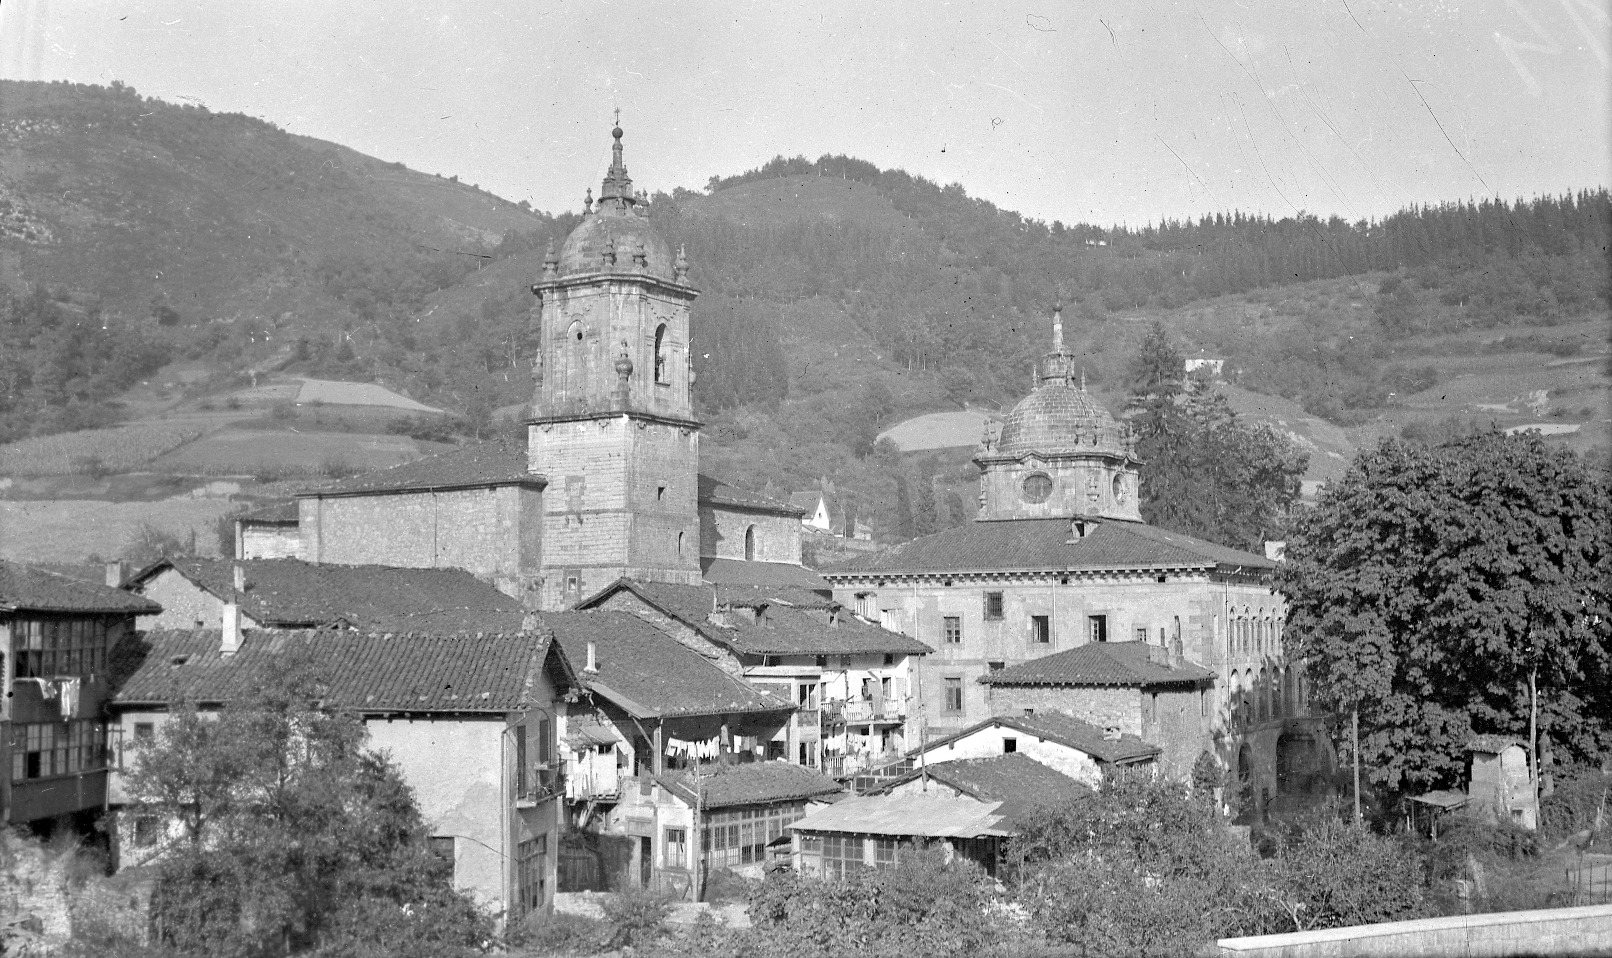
[616, 236]
[1059, 417]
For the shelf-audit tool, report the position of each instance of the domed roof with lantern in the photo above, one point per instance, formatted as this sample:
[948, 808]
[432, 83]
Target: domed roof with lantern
[615, 235]
[1059, 417]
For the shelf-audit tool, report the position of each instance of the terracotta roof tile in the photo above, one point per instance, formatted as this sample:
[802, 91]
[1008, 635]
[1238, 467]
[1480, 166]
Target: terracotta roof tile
[649, 673]
[738, 572]
[36, 590]
[1018, 781]
[1062, 729]
[494, 462]
[364, 671]
[1099, 663]
[716, 491]
[1044, 544]
[788, 628]
[752, 783]
[291, 593]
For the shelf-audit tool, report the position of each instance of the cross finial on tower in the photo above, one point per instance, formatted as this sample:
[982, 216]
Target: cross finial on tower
[618, 116]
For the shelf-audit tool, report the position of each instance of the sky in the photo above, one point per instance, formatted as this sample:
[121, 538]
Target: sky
[1097, 111]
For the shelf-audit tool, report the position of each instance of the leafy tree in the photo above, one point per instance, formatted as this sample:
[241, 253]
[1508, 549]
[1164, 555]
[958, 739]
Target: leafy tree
[293, 835]
[1328, 873]
[1205, 471]
[1435, 589]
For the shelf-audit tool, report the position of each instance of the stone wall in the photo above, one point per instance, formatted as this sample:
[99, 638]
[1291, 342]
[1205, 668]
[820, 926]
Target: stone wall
[620, 502]
[269, 541]
[185, 605]
[723, 528]
[1549, 931]
[988, 742]
[1102, 707]
[493, 533]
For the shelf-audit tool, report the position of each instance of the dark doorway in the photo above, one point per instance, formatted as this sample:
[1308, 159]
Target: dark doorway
[646, 861]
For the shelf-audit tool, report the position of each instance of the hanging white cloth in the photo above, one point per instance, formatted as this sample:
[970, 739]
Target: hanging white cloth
[70, 692]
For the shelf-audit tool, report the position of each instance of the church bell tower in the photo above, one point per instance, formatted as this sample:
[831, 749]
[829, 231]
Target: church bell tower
[611, 423]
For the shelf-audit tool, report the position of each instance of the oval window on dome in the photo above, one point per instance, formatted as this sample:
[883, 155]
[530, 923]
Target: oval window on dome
[1119, 488]
[1037, 487]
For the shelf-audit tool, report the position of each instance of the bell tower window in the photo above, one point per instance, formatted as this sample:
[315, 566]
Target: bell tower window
[663, 368]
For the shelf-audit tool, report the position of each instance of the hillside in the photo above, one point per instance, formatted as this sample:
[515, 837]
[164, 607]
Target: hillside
[168, 265]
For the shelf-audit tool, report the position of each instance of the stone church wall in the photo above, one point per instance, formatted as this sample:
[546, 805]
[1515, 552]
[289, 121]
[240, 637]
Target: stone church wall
[492, 533]
[722, 532]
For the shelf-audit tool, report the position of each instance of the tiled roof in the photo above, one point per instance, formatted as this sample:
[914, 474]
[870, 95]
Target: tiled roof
[36, 590]
[362, 671]
[1099, 663]
[788, 628]
[729, 572]
[291, 593]
[751, 783]
[1018, 781]
[277, 513]
[806, 502]
[494, 462]
[650, 674]
[717, 492]
[1064, 730]
[1493, 744]
[929, 816]
[1044, 544]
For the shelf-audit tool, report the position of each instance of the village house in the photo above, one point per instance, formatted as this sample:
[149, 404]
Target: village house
[1134, 689]
[269, 532]
[470, 720]
[296, 594]
[1078, 750]
[56, 636]
[1058, 557]
[655, 719]
[852, 680]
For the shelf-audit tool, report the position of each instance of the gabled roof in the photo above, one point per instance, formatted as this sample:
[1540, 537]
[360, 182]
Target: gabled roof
[1100, 663]
[1493, 744]
[751, 783]
[1044, 545]
[807, 502]
[740, 572]
[1063, 729]
[649, 674]
[496, 462]
[291, 593]
[927, 816]
[719, 493]
[368, 672]
[274, 513]
[23, 588]
[788, 629]
[1018, 781]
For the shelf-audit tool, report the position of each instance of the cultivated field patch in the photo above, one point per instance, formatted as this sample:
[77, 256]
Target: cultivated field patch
[265, 454]
[94, 451]
[73, 530]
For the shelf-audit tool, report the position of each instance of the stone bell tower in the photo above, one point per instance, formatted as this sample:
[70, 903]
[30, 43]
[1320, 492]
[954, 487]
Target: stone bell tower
[611, 423]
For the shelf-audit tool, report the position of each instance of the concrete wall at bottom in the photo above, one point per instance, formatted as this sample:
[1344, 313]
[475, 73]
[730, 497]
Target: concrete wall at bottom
[1548, 931]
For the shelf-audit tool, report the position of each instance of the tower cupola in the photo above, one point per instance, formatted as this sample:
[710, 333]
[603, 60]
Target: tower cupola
[1059, 452]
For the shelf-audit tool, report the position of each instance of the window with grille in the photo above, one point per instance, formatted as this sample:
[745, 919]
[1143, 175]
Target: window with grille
[993, 606]
[1141, 635]
[952, 630]
[676, 848]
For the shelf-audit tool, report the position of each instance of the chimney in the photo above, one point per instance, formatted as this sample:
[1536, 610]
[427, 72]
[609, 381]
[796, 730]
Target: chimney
[117, 572]
[592, 668]
[231, 641]
[240, 577]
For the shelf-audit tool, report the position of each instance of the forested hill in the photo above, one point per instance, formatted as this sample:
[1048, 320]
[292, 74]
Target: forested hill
[837, 297]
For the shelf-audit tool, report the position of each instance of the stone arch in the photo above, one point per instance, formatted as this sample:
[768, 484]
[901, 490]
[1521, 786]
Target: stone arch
[663, 366]
[750, 543]
[1263, 691]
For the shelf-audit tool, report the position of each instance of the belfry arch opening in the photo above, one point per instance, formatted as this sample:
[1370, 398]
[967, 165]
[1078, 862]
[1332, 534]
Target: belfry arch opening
[663, 368]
